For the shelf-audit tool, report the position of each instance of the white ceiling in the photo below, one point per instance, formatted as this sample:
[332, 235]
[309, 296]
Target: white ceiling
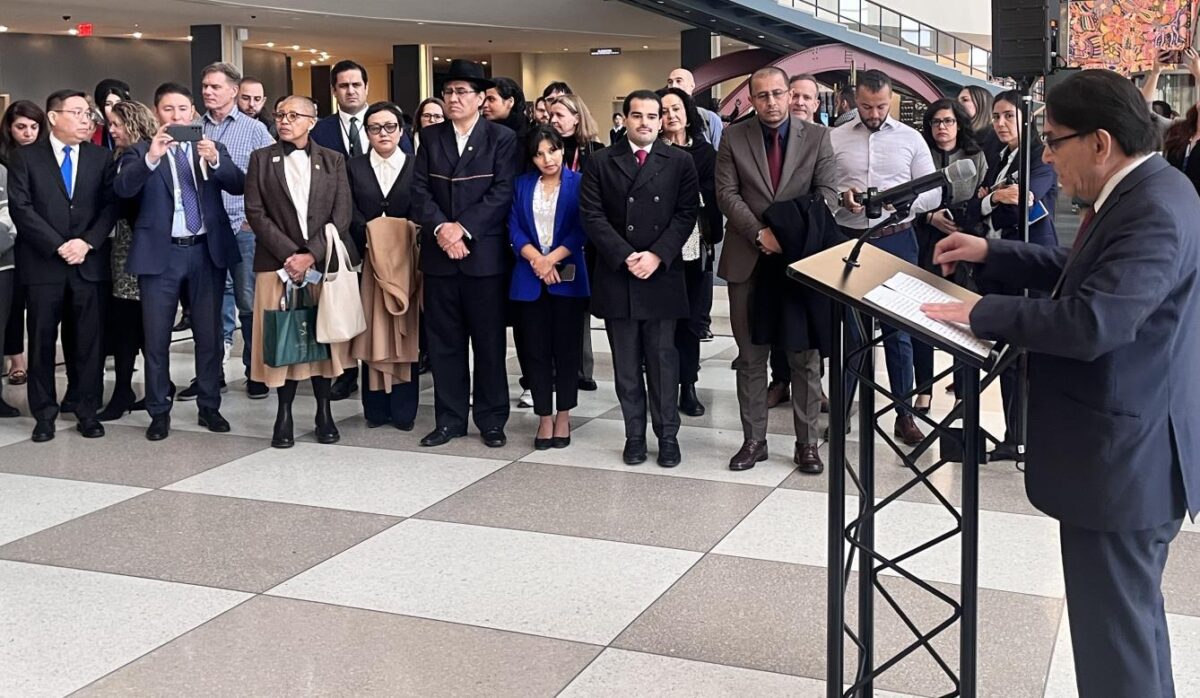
[366, 29]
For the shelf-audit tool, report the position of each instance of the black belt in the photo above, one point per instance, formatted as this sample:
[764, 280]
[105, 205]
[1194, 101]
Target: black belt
[187, 241]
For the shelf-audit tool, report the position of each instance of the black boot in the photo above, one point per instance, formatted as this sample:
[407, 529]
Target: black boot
[120, 404]
[689, 402]
[283, 436]
[327, 431]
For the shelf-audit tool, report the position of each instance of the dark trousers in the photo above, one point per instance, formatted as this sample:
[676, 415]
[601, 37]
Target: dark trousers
[922, 365]
[688, 330]
[125, 338]
[398, 407]
[1115, 605]
[781, 370]
[550, 338]
[8, 285]
[86, 302]
[1010, 390]
[468, 311]
[651, 342]
[190, 274]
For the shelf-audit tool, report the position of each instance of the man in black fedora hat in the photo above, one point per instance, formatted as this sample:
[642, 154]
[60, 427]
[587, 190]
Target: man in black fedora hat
[462, 193]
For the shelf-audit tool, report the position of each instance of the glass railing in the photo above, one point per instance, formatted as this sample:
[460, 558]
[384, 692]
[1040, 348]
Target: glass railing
[896, 29]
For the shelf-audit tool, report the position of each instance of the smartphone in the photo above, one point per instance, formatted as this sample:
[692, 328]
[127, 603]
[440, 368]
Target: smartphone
[566, 272]
[1037, 212]
[185, 133]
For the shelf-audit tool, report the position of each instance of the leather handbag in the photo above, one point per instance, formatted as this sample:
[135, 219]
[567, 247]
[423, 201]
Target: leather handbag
[340, 315]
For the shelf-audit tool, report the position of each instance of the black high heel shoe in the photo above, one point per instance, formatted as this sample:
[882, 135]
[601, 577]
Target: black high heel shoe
[121, 404]
[925, 409]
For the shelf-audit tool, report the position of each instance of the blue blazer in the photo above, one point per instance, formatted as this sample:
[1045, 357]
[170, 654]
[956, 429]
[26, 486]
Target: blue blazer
[568, 232]
[1006, 219]
[155, 192]
[328, 134]
[1114, 394]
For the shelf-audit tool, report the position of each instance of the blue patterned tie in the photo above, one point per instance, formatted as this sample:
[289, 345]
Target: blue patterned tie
[66, 169]
[187, 190]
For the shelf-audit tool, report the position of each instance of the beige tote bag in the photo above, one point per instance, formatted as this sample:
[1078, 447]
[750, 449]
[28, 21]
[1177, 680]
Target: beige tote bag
[340, 315]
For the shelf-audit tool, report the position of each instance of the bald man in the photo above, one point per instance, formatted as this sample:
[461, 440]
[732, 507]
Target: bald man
[684, 80]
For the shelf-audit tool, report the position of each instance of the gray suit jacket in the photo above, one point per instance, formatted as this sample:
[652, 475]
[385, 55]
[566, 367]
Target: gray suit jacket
[1114, 390]
[744, 185]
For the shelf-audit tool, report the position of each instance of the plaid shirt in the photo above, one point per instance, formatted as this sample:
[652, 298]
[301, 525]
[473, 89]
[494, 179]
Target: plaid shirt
[241, 135]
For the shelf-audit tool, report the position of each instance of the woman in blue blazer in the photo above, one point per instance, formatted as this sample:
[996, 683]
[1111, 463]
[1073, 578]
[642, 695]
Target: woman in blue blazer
[549, 283]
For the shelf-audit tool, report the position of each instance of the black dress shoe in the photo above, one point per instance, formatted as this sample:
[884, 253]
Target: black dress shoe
[343, 387]
[371, 424]
[689, 402]
[7, 411]
[404, 426]
[668, 452]
[634, 452]
[442, 435]
[193, 391]
[808, 458]
[160, 427]
[43, 431]
[493, 438]
[212, 419]
[587, 384]
[184, 324]
[256, 390]
[1005, 451]
[543, 444]
[751, 452]
[67, 406]
[560, 441]
[90, 428]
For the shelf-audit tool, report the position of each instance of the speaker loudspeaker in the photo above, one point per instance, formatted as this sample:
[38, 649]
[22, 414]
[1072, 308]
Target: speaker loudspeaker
[1024, 38]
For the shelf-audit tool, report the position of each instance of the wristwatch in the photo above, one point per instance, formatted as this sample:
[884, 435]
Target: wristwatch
[758, 239]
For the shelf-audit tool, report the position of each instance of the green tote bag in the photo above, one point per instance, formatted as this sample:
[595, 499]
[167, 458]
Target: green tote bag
[290, 335]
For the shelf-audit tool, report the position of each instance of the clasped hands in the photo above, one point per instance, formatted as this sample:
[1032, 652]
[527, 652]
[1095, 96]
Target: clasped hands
[449, 237]
[74, 251]
[546, 270]
[298, 265]
[643, 264]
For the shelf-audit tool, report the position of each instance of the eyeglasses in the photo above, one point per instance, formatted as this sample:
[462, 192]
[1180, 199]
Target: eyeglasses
[1053, 142]
[944, 122]
[460, 93]
[291, 116]
[376, 129]
[79, 113]
[433, 116]
[775, 94]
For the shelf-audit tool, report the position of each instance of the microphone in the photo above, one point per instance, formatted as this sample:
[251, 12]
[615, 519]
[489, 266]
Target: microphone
[958, 175]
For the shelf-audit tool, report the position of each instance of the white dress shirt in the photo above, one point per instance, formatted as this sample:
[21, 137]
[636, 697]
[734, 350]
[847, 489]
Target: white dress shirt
[893, 155]
[344, 119]
[298, 173]
[636, 148]
[179, 227]
[545, 208]
[387, 169]
[58, 146]
[463, 137]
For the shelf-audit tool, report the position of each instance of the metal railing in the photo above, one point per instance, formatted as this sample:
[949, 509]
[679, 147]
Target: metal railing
[898, 29]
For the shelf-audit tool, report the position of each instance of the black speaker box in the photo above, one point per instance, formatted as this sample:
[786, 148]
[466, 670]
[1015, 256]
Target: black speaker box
[1024, 34]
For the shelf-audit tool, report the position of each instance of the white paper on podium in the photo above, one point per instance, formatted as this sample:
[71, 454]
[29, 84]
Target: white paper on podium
[902, 295]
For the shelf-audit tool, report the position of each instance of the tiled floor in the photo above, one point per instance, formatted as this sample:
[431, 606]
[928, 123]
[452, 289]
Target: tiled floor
[214, 565]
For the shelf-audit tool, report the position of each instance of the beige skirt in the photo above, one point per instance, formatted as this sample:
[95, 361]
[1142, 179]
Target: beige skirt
[268, 289]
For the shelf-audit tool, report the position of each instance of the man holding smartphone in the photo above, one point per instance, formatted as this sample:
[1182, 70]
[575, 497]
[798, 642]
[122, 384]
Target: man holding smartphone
[181, 239]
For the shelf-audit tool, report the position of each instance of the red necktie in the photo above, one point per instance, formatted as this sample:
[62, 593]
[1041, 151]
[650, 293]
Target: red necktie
[641, 157]
[1084, 229]
[775, 158]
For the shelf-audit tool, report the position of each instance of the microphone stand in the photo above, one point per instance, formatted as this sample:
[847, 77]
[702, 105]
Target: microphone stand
[1025, 152]
[874, 210]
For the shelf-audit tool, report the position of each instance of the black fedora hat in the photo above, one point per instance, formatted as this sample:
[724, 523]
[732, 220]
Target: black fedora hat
[468, 71]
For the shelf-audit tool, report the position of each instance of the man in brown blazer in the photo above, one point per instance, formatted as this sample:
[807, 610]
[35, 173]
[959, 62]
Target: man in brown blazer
[774, 157]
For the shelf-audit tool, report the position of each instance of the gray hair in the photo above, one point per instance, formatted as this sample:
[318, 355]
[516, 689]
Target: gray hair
[232, 74]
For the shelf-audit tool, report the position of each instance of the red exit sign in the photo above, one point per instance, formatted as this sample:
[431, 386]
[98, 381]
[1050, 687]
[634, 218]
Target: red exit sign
[84, 28]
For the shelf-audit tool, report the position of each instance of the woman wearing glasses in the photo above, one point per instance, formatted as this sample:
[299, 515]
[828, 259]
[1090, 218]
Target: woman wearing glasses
[431, 111]
[948, 131]
[294, 188]
[998, 212]
[381, 187]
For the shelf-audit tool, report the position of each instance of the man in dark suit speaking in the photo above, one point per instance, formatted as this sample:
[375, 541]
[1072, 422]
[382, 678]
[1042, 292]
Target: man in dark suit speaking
[1114, 395]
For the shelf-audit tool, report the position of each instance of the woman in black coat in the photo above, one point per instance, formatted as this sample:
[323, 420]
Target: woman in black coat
[684, 128]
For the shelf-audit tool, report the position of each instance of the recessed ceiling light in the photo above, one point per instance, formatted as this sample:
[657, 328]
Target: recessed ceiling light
[566, 49]
[761, 36]
[136, 35]
[437, 58]
[312, 50]
[190, 37]
[73, 31]
[3, 28]
[299, 64]
[485, 62]
[645, 46]
[270, 44]
[295, 47]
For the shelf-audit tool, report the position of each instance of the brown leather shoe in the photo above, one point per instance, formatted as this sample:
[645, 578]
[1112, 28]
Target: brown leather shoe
[751, 452]
[777, 393]
[906, 429]
[808, 458]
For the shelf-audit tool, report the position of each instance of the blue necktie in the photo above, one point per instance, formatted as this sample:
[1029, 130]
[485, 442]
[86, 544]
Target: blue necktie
[66, 169]
[188, 194]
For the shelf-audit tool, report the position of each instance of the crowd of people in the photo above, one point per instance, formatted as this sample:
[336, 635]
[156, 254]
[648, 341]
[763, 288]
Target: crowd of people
[503, 212]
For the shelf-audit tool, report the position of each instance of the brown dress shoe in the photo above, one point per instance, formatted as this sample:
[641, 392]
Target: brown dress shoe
[809, 459]
[751, 452]
[777, 393]
[906, 429]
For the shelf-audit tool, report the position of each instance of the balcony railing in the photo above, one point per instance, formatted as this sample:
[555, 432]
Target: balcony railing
[897, 29]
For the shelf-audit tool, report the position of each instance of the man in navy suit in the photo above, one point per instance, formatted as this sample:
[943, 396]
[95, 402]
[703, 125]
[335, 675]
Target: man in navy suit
[61, 199]
[346, 133]
[182, 239]
[1114, 395]
[462, 195]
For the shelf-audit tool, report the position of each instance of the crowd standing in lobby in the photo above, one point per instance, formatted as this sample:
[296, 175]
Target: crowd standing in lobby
[491, 211]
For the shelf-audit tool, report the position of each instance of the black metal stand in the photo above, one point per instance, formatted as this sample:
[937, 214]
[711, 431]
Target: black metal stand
[854, 539]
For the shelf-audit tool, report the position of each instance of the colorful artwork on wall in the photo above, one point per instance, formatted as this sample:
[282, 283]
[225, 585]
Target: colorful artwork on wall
[1126, 35]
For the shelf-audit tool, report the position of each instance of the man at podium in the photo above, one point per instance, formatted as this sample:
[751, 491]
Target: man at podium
[1114, 394]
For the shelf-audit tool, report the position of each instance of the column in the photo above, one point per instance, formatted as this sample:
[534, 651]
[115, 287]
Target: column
[213, 43]
[695, 49]
[412, 76]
